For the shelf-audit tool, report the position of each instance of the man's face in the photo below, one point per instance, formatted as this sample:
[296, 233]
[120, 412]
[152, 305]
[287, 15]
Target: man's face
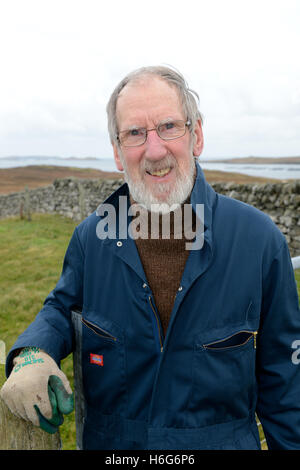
[158, 171]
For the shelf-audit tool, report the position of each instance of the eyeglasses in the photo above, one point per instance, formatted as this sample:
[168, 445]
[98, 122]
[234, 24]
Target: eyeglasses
[168, 130]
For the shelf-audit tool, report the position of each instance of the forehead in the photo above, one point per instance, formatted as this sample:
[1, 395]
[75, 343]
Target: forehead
[147, 100]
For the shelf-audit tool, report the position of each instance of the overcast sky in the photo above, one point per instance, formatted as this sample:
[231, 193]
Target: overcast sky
[61, 59]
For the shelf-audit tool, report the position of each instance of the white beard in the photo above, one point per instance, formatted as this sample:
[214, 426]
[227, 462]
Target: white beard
[175, 196]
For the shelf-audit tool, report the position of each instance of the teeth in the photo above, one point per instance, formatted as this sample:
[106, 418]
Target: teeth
[160, 172]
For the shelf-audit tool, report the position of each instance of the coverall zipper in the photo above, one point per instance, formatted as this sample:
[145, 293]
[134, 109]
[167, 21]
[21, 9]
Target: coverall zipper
[252, 333]
[97, 330]
[158, 323]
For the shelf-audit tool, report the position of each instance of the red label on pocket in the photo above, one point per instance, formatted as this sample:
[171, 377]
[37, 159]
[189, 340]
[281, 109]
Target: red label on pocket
[96, 359]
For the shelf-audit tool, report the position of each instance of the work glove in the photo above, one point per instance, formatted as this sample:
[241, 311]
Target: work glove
[37, 390]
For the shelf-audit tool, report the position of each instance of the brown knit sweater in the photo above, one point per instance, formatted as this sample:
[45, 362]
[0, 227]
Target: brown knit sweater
[163, 261]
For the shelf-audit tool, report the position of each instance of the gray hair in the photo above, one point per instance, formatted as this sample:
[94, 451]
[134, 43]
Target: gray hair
[188, 97]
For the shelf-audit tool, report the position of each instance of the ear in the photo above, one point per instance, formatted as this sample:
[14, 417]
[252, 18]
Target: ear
[199, 142]
[117, 158]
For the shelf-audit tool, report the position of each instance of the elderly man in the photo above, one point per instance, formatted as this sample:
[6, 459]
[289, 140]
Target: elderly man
[176, 348]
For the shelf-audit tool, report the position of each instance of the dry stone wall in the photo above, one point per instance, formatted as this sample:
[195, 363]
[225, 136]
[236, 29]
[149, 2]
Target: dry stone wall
[77, 199]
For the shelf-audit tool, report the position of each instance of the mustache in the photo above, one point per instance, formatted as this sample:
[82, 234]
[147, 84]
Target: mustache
[166, 162]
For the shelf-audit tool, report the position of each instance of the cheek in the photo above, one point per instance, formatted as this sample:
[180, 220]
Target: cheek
[182, 153]
[133, 160]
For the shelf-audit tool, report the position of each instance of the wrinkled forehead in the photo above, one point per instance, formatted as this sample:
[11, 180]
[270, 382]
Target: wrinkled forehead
[148, 95]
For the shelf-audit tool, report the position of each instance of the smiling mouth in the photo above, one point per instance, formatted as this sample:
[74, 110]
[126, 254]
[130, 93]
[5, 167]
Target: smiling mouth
[160, 173]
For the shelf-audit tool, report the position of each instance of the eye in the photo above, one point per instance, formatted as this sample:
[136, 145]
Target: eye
[134, 132]
[137, 132]
[132, 136]
[166, 126]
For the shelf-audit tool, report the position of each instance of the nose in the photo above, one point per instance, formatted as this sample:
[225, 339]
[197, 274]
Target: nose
[155, 147]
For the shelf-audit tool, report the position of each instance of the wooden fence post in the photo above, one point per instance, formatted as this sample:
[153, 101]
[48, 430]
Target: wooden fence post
[17, 434]
[81, 200]
[27, 204]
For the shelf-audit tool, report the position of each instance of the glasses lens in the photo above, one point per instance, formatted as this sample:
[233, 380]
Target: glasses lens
[133, 137]
[171, 129]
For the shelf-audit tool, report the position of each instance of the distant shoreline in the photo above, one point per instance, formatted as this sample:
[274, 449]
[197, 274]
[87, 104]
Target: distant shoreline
[257, 160]
[34, 176]
[235, 160]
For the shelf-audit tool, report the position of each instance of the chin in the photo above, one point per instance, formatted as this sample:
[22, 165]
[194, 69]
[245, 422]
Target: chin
[166, 194]
[162, 202]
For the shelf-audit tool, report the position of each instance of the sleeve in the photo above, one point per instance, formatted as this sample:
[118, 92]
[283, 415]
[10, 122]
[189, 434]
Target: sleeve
[52, 328]
[278, 374]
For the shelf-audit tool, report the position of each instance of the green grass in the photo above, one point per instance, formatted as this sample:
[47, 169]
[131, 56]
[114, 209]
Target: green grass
[31, 262]
[31, 256]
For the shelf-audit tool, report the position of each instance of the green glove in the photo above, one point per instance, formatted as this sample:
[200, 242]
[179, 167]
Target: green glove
[37, 390]
[61, 403]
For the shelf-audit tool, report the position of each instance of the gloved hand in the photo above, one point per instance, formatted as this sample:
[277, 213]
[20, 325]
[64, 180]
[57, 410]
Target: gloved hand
[37, 390]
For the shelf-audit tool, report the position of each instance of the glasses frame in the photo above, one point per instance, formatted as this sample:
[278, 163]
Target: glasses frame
[186, 124]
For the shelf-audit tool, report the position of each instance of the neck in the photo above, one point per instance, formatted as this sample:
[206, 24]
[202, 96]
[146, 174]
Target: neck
[176, 224]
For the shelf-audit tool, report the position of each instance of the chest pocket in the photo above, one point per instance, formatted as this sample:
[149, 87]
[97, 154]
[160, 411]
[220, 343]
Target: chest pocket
[99, 331]
[223, 387]
[103, 365]
[235, 340]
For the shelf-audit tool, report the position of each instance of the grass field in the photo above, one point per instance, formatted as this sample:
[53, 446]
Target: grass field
[31, 261]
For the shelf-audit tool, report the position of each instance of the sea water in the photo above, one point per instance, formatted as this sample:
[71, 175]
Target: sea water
[271, 170]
